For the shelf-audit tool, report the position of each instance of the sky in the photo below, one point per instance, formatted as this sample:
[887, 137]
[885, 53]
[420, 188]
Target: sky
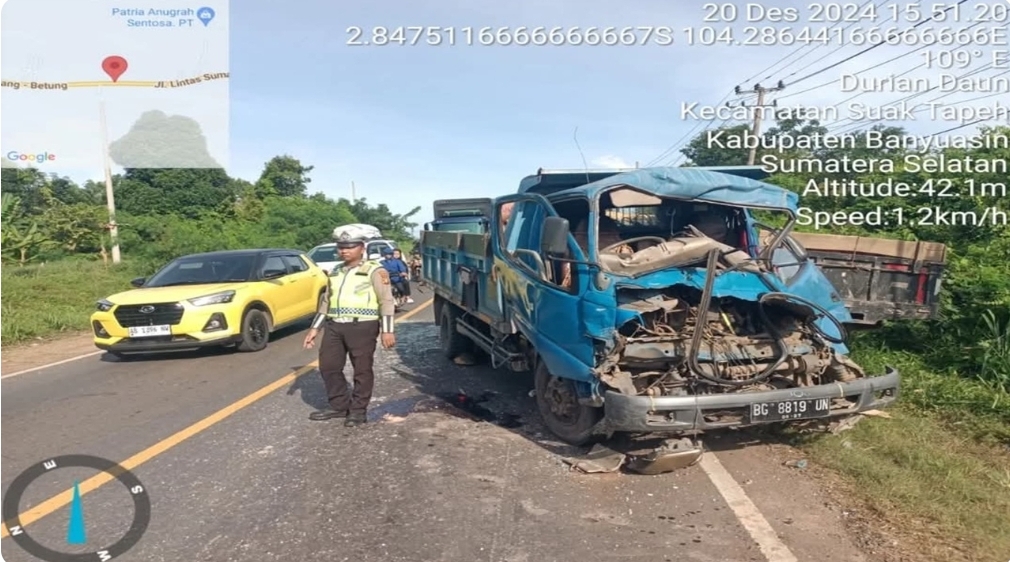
[411, 124]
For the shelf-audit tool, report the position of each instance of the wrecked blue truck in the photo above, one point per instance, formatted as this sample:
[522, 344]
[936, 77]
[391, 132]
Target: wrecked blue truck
[647, 301]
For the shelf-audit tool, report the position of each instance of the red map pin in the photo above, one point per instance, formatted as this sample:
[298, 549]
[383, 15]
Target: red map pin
[114, 66]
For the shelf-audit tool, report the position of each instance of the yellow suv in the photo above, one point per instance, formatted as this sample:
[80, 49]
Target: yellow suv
[236, 297]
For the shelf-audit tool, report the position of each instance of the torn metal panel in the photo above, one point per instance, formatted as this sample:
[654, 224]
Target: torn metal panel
[673, 454]
[599, 459]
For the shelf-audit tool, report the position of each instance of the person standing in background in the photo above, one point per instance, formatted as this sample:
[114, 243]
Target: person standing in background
[357, 309]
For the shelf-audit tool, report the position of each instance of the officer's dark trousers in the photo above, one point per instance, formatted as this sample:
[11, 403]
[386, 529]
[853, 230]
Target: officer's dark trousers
[358, 340]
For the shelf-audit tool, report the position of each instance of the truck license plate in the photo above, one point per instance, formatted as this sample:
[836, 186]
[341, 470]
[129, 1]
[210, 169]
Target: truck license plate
[790, 410]
[149, 331]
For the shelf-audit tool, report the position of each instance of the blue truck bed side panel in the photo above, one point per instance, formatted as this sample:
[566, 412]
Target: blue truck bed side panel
[458, 266]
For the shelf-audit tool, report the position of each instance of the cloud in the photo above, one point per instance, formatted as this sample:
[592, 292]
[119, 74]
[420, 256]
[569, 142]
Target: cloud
[611, 161]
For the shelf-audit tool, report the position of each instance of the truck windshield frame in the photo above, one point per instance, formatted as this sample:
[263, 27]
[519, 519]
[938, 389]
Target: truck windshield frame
[762, 254]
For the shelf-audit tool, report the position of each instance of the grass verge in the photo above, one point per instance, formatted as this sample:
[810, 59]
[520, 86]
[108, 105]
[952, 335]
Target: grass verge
[41, 301]
[938, 470]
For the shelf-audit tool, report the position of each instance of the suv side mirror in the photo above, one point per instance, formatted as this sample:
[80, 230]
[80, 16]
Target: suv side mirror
[274, 273]
[138, 281]
[554, 236]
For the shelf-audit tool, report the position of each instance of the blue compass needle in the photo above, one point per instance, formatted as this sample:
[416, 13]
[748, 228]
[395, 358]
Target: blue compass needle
[76, 533]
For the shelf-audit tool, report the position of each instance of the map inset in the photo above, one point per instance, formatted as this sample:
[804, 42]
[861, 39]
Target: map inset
[145, 86]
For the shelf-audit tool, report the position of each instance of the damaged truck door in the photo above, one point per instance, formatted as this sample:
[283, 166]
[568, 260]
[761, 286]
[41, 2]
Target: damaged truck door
[651, 301]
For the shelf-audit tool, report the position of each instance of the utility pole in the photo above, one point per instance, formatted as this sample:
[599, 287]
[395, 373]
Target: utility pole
[109, 197]
[756, 129]
[353, 196]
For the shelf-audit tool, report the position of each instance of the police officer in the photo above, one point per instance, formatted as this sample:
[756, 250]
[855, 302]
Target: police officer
[356, 310]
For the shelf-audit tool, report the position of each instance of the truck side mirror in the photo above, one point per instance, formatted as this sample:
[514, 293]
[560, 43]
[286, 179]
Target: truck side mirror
[554, 236]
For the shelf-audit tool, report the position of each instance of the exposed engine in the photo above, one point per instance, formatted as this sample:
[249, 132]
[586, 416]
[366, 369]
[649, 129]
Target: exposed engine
[737, 346]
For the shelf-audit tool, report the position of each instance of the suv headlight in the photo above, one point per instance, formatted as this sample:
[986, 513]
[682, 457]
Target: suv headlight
[104, 305]
[216, 298]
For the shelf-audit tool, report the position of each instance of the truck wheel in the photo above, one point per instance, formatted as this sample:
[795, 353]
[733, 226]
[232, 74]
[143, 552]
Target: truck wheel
[255, 331]
[453, 343]
[559, 407]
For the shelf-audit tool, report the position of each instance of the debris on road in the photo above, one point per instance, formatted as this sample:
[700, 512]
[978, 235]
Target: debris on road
[599, 459]
[846, 424]
[801, 463]
[671, 455]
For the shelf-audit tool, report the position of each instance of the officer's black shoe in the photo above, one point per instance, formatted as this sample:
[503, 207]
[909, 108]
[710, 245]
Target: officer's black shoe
[354, 420]
[322, 415]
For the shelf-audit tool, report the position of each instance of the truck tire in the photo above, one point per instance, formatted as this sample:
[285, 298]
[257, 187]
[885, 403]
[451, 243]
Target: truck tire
[558, 403]
[453, 343]
[255, 331]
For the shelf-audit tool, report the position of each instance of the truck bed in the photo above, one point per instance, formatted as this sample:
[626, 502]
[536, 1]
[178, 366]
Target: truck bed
[880, 279]
[457, 266]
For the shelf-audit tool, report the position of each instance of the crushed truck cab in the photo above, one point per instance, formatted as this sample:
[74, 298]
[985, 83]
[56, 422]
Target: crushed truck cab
[651, 300]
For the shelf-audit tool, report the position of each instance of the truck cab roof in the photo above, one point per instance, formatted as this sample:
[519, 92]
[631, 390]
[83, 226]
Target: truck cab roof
[728, 185]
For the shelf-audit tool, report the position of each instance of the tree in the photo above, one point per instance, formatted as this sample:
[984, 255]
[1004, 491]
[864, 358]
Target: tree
[25, 184]
[699, 153]
[21, 239]
[188, 192]
[397, 227]
[284, 176]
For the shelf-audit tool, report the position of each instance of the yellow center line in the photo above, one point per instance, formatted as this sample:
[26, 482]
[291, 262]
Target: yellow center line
[52, 504]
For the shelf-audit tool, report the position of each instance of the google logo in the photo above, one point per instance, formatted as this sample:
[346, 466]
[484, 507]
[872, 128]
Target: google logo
[16, 156]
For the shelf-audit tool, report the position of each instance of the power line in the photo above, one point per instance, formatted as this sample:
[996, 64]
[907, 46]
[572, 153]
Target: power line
[850, 98]
[948, 94]
[850, 128]
[673, 147]
[889, 61]
[801, 47]
[976, 122]
[679, 143]
[871, 47]
[909, 98]
[839, 48]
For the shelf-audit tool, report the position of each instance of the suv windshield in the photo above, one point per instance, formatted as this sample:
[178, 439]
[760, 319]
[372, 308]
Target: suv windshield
[192, 270]
[324, 254]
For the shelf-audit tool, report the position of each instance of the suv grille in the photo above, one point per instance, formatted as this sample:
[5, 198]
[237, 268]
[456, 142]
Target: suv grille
[130, 315]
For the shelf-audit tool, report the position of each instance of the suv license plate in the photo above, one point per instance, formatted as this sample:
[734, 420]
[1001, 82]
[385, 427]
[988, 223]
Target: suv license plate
[149, 331]
[790, 410]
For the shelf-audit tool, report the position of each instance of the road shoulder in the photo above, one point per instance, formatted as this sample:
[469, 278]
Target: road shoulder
[40, 352]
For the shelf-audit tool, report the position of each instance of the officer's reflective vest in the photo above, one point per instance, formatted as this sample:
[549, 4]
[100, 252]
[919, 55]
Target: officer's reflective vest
[352, 294]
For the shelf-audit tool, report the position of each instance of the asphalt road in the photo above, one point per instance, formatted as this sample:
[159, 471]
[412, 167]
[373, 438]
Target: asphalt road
[424, 481]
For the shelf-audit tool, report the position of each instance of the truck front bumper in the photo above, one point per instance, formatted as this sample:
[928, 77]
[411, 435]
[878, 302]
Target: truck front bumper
[645, 414]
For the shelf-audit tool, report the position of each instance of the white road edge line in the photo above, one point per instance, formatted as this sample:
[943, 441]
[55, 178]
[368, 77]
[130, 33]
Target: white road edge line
[33, 369]
[746, 512]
